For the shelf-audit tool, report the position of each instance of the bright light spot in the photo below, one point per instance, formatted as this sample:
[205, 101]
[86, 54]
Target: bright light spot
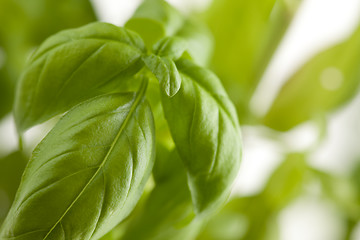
[2, 57]
[356, 233]
[8, 136]
[331, 78]
[311, 219]
[115, 11]
[260, 158]
[301, 138]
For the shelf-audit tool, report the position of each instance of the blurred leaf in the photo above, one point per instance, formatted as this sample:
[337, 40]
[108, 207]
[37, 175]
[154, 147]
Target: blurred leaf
[326, 82]
[254, 217]
[168, 211]
[11, 169]
[286, 183]
[342, 191]
[246, 35]
[156, 19]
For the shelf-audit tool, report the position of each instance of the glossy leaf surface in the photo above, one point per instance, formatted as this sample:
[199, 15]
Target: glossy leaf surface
[88, 173]
[26, 25]
[323, 84]
[73, 66]
[204, 126]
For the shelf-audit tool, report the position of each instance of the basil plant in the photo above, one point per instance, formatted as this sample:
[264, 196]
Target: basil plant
[133, 100]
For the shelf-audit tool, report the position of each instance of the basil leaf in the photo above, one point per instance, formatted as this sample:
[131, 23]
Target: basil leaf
[75, 65]
[323, 84]
[165, 71]
[156, 19]
[205, 129]
[88, 173]
[168, 211]
[11, 169]
[246, 35]
[171, 47]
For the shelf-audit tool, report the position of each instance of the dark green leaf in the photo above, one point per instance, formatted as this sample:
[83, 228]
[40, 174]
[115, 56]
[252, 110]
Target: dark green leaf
[205, 129]
[88, 173]
[326, 82]
[11, 169]
[73, 66]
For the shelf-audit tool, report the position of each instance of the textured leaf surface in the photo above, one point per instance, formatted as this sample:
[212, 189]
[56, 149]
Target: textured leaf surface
[73, 66]
[204, 126]
[88, 173]
[326, 82]
[165, 71]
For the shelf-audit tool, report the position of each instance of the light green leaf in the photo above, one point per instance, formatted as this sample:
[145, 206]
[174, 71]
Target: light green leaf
[168, 211]
[75, 65]
[11, 169]
[165, 71]
[88, 173]
[156, 19]
[205, 129]
[246, 35]
[323, 84]
[286, 183]
[171, 47]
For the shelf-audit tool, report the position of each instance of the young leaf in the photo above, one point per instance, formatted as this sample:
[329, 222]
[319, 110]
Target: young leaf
[165, 71]
[88, 173]
[156, 19]
[326, 82]
[205, 129]
[172, 47]
[75, 65]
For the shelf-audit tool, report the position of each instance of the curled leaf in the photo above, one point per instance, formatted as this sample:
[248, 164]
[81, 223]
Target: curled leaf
[205, 129]
[165, 71]
[171, 47]
[88, 173]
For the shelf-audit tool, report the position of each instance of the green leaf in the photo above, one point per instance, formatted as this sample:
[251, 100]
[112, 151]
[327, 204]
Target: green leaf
[165, 71]
[286, 183]
[205, 129]
[171, 47]
[11, 169]
[88, 173]
[75, 65]
[168, 211]
[155, 20]
[323, 84]
[246, 35]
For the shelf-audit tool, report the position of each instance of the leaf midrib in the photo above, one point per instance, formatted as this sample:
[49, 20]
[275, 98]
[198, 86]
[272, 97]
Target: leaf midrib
[139, 97]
